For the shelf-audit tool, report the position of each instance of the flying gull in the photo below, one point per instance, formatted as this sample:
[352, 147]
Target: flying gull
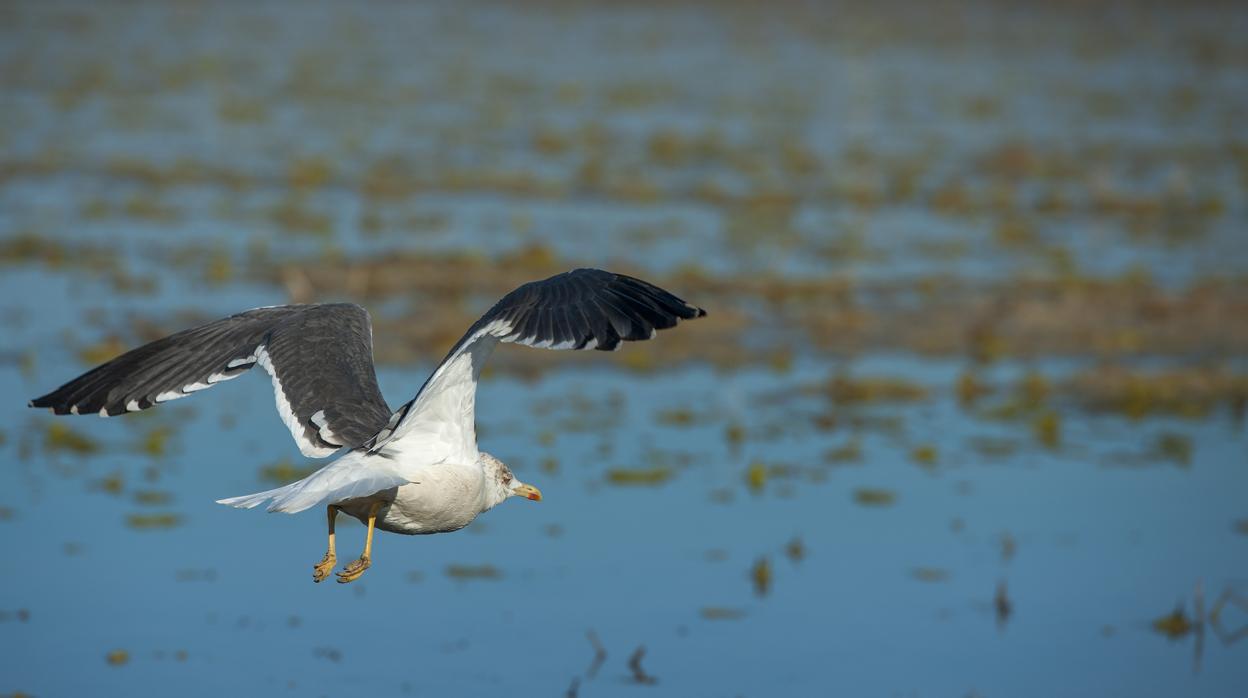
[415, 470]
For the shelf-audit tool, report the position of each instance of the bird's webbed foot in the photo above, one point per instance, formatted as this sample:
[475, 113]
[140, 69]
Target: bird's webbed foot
[321, 570]
[352, 572]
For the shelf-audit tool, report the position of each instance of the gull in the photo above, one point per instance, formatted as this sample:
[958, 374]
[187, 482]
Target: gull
[416, 470]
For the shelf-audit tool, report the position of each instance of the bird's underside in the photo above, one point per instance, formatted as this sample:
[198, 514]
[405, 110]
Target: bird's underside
[319, 358]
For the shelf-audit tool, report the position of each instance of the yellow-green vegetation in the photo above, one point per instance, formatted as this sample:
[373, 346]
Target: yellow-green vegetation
[1067, 315]
[218, 268]
[153, 497]
[1185, 392]
[296, 217]
[1033, 390]
[844, 390]
[155, 442]
[310, 172]
[970, 388]
[150, 210]
[795, 549]
[639, 476]
[239, 110]
[679, 417]
[60, 437]
[1173, 447]
[874, 497]
[33, 248]
[285, 471]
[1173, 625]
[148, 522]
[104, 350]
[849, 452]
[925, 455]
[761, 576]
[756, 476]
[1047, 428]
[112, 483]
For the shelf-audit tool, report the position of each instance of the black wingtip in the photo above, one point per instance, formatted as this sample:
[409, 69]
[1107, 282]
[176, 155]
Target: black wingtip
[48, 402]
[689, 311]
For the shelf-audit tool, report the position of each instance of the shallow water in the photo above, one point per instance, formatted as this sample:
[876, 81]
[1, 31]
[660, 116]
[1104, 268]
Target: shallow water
[798, 529]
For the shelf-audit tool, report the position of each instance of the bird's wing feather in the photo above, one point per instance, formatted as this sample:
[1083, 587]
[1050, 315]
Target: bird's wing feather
[581, 309]
[319, 357]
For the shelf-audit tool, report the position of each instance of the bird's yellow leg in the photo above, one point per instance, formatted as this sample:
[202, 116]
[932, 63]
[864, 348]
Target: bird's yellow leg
[322, 569]
[352, 572]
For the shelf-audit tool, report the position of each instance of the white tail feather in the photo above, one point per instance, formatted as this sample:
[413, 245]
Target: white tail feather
[355, 474]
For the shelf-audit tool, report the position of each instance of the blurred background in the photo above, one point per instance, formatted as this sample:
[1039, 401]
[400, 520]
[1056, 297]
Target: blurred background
[966, 417]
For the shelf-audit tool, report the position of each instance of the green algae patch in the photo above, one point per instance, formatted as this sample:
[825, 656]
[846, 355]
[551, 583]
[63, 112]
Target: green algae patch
[925, 456]
[155, 442]
[1047, 429]
[1173, 625]
[643, 477]
[676, 417]
[152, 497]
[844, 390]
[60, 437]
[761, 576]
[153, 522]
[1173, 448]
[850, 452]
[1181, 392]
[795, 549]
[874, 497]
[756, 477]
[285, 471]
[102, 351]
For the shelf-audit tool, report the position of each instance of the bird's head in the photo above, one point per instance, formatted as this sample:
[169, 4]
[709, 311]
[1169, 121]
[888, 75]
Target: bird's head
[502, 484]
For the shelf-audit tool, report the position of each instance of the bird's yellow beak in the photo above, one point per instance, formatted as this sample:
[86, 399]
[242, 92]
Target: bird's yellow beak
[529, 492]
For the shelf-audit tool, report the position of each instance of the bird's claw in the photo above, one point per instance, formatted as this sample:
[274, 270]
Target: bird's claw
[352, 572]
[321, 570]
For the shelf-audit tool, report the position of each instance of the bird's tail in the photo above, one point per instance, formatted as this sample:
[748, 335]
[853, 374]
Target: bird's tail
[251, 501]
[354, 475]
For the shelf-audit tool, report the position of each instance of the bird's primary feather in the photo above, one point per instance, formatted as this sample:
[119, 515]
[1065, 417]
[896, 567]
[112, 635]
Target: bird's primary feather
[319, 357]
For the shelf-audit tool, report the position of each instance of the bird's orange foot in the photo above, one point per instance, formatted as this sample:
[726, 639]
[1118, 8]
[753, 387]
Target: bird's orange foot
[321, 570]
[352, 572]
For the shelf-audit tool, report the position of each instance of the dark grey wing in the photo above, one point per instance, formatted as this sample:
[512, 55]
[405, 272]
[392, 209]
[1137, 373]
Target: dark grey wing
[581, 309]
[320, 358]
